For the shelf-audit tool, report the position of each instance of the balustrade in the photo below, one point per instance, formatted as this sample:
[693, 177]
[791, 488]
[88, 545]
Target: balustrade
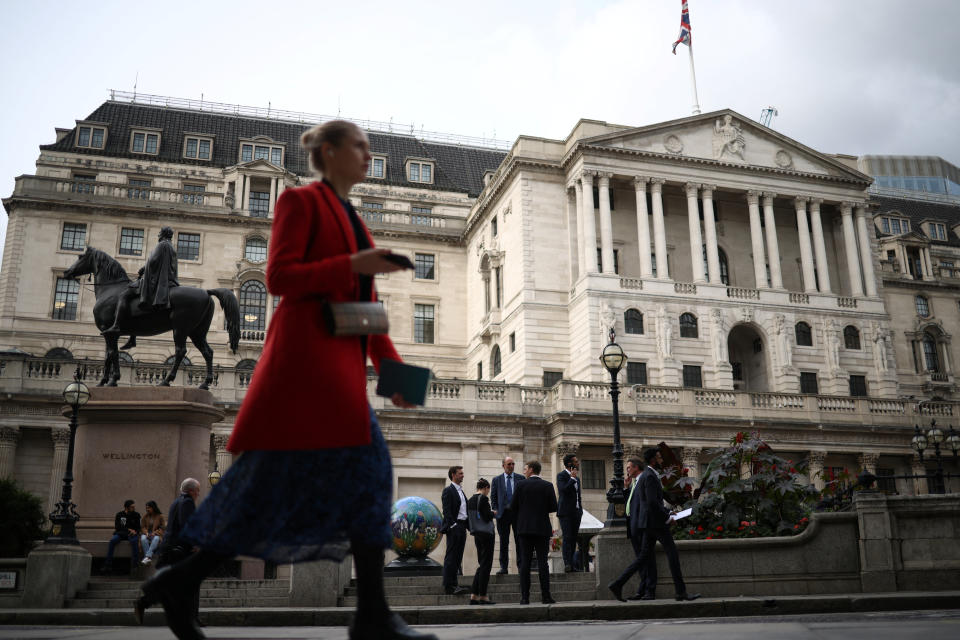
[743, 294]
[112, 190]
[832, 404]
[800, 298]
[705, 398]
[847, 303]
[685, 287]
[776, 401]
[253, 336]
[631, 283]
[662, 395]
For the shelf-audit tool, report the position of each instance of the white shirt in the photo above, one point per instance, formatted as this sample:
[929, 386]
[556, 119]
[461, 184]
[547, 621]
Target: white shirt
[462, 514]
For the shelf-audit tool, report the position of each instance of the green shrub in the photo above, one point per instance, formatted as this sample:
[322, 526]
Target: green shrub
[22, 520]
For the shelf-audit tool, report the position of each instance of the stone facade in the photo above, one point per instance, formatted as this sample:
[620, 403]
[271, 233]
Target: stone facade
[734, 265]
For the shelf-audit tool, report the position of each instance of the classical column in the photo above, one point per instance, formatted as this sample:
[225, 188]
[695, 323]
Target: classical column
[850, 246]
[61, 446]
[925, 254]
[806, 255]
[693, 223]
[868, 462]
[710, 234]
[589, 225]
[819, 249]
[643, 227]
[606, 224]
[578, 196]
[245, 201]
[273, 194]
[659, 231]
[224, 458]
[8, 450]
[756, 240]
[691, 462]
[573, 234]
[815, 470]
[773, 249]
[919, 470]
[866, 254]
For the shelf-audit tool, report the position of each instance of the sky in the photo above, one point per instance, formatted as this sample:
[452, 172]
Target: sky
[852, 76]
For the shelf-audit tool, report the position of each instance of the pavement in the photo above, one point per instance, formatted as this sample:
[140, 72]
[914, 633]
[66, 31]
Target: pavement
[905, 625]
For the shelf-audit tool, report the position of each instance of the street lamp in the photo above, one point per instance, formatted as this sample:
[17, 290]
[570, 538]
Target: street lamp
[214, 476]
[613, 359]
[935, 436]
[64, 517]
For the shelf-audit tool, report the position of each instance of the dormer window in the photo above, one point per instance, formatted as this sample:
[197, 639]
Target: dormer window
[91, 137]
[145, 141]
[937, 231]
[377, 167]
[419, 171]
[895, 226]
[266, 150]
[197, 148]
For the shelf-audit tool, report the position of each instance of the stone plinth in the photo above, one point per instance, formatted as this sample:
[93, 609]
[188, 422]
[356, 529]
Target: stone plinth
[138, 443]
[55, 573]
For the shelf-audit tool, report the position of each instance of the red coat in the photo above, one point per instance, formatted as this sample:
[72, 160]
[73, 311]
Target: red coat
[310, 388]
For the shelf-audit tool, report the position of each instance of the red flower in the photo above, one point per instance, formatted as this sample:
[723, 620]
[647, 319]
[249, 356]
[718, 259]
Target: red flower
[709, 538]
[773, 468]
[691, 532]
[699, 528]
[739, 437]
[686, 470]
[804, 519]
[792, 470]
[753, 523]
[744, 523]
[796, 526]
[719, 528]
[789, 461]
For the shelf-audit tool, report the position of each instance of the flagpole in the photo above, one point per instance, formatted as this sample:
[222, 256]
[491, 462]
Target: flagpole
[693, 79]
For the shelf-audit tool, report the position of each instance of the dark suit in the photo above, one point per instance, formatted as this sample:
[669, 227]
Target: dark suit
[484, 542]
[533, 502]
[455, 529]
[569, 512]
[172, 549]
[499, 501]
[652, 517]
[636, 541]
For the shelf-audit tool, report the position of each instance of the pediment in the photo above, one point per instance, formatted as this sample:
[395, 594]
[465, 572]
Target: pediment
[727, 137]
[912, 236]
[260, 163]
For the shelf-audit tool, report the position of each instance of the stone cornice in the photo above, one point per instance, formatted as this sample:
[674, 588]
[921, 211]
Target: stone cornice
[508, 168]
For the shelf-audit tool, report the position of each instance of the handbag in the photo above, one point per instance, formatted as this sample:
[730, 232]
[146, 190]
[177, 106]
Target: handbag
[477, 524]
[355, 318]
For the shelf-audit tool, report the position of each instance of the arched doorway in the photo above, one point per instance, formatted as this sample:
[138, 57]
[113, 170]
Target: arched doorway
[748, 357]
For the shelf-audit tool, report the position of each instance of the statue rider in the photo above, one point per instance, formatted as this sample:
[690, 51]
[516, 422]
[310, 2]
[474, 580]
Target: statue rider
[152, 286]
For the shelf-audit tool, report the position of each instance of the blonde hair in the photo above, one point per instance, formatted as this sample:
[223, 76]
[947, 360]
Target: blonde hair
[332, 132]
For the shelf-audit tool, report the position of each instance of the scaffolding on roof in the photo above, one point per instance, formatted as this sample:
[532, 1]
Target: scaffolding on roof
[283, 115]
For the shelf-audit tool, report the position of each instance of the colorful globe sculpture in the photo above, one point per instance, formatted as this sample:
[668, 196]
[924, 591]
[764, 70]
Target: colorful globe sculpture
[415, 523]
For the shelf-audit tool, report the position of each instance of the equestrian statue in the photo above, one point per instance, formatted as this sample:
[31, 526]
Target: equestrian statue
[153, 304]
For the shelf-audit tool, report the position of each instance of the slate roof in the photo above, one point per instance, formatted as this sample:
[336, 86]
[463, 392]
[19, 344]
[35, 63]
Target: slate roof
[457, 168]
[919, 211]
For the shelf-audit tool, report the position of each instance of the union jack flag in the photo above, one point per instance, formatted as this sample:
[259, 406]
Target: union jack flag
[684, 27]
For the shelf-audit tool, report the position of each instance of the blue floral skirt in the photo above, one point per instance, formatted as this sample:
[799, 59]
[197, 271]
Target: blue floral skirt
[297, 506]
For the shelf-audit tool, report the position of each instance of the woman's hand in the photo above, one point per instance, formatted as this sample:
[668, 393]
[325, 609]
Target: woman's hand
[398, 400]
[370, 262]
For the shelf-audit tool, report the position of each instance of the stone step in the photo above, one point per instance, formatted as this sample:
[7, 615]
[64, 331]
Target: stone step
[111, 584]
[205, 603]
[254, 592]
[512, 578]
[437, 589]
[508, 597]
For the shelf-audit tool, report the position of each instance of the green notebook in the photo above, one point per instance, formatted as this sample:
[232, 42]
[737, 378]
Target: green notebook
[411, 381]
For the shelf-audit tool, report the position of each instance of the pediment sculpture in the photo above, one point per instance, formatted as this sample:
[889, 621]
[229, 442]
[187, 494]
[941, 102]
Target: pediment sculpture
[728, 139]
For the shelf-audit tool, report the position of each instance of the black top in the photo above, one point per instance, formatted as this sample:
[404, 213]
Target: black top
[359, 232]
[126, 520]
[180, 511]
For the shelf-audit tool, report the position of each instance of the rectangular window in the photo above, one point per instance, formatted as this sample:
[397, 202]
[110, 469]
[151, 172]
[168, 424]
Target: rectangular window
[131, 242]
[513, 342]
[424, 263]
[420, 172]
[193, 193]
[259, 204]
[83, 137]
[493, 226]
[96, 138]
[808, 382]
[616, 261]
[736, 371]
[66, 295]
[74, 237]
[276, 156]
[591, 474]
[692, 376]
[423, 221]
[246, 153]
[858, 386]
[188, 246]
[83, 183]
[423, 319]
[138, 142]
[885, 225]
[197, 148]
[479, 371]
[139, 189]
[885, 480]
[90, 137]
[375, 168]
[372, 216]
[550, 378]
[191, 150]
[938, 231]
[261, 153]
[416, 209]
[145, 142]
[636, 373]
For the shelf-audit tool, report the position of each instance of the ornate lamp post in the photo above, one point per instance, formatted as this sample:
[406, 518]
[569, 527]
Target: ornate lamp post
[935, 435]
[65, 517]
[214, 476]
[613, 359]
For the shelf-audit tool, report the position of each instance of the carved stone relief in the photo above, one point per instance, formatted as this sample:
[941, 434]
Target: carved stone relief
[672, 144]
[728, 139]
[783, 159]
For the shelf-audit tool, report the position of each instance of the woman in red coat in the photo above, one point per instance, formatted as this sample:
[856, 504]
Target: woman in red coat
[315, 479]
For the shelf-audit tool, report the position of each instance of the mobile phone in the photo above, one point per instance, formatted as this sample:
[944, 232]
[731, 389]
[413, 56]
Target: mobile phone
[398, 259]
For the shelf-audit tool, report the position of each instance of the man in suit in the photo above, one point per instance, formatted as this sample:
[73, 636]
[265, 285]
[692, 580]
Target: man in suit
[570, 508]
[533, 502]
[644, 591]
[500, 496]
[655, 519]
[454, 527]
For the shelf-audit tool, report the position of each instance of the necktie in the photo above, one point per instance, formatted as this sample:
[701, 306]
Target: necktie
[630, 498]
[509, 488]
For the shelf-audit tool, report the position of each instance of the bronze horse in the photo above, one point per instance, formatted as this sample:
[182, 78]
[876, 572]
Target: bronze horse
[188, 316]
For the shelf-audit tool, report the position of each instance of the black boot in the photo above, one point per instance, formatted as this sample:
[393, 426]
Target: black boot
[373, 619]
[177, 588]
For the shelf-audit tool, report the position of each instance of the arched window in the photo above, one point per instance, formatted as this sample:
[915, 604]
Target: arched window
[923, 307]
[851, 337]
[255, 249]
[724, 267]
[244, 371]
[58, 353]
[185, 363]
[633, 321]
[253, 306]
[126, 358]
[246, 365]
[688, 326]
[495, 360]
[804, 335]
[930, 359]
